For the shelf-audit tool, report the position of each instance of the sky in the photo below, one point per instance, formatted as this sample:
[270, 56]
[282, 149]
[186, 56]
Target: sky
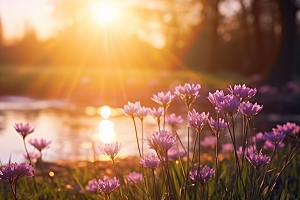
[17, 15]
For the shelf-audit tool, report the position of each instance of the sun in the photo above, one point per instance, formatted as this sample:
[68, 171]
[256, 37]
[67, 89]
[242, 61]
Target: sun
[104, 12]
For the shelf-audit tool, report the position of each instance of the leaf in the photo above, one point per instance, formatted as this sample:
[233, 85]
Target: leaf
[265, 191]
[282, 197]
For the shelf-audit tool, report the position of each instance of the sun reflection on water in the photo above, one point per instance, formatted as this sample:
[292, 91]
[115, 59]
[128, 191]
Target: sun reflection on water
[106, 131]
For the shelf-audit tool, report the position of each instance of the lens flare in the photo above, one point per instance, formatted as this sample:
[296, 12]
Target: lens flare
[106, 131]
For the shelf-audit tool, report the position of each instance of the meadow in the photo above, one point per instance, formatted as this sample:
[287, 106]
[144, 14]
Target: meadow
[253, 165]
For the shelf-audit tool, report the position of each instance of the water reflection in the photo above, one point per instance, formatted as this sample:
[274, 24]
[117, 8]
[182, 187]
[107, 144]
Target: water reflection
[106, 131]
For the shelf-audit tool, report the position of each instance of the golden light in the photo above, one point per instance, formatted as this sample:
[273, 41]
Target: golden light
[106, 131]
[51, 174]
[105, 12]
[105, 111]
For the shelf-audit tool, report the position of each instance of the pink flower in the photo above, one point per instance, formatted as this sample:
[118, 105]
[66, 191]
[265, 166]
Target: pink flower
[288, 128]
[23, 130]
[269, 146]
[249, 109]
[188, 93]
[131, 109]
[216, 98]
[163, 100]
[173, 154]
[108, 185]
[258, 160]
[214, 125]
[247, 151]
[40, 144]
[229, 105]
[157, 114]
[227, 147]
[243, 93]
[259, 137]
[143, 112]
[161, 141]
[173, 120]
[151, 161]
[111, 150]
[196, 120]
[209, 141]
[32, 155]
[92, 186]
[203, 175]
[134, 177]
[13, 172]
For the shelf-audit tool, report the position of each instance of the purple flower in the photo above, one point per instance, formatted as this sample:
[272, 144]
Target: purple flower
[111, 150]
[216, 98]
[248, 151]
[209, 141]
[229, 105]
[134, 177]
[214, 125]
[108, 185]
[143, 112]
[163, 100]
[161, 141]
[227, 147]
[258, 160]
[157, 113]
[243, 93]
[92, 186]
[173, 154]
[196, 120]
[269, 146]
[173, 120]
[13, 172]
[32, 155]
[274, 137]
[23, 130]
[188, 93]
[249, 109]
[204, 175]
[151, 161]
[288, 128]
[40, 144]
[131, 109]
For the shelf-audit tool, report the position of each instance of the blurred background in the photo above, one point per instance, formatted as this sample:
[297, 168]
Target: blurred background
[62, 61]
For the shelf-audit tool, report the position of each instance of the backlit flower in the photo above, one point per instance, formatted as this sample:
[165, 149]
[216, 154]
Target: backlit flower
[23, 130]
[40, 144]
[173, 154]
[258, 160]
[209, 141]
[134, 177]
[247, 151]
[111, 150]
[243, 93]
[196, 120]
[229, 105]
[108, 185]
[163, 99]
[157, 113]
[249, 109]
[32, 155]
[143, 112]
[216, 98]
[131, 109]
[217, 127]
[288, 128]
[274, 137]
[269, 146]
[188, 93]
[161, 141]
[151, 161]
[13, 172]
[173, 120]
[203, 175]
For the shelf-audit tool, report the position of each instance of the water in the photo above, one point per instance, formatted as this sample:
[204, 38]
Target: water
[72, 133]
